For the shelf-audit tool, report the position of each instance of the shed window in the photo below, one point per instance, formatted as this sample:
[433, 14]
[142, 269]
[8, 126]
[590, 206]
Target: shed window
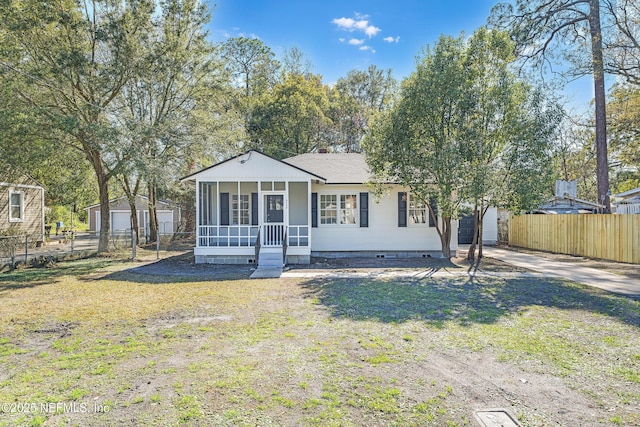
[16, 206]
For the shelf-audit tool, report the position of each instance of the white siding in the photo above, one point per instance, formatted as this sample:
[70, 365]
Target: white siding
[490, 227]
[383, 233]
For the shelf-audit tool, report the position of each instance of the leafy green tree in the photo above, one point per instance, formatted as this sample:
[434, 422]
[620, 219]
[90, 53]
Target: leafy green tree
[545, 30]
[291, 118]
[252, 63]
[506, 119]
[355, 100]
[67, 64]
[624, 120]
[417, 143]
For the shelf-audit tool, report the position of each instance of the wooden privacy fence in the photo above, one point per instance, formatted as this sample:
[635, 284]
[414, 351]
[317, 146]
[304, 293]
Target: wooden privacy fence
[612, 237]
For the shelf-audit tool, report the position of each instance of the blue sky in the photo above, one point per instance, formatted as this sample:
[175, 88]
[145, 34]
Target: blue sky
[339, 36]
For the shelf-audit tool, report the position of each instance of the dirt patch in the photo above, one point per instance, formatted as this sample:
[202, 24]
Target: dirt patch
[183, 265]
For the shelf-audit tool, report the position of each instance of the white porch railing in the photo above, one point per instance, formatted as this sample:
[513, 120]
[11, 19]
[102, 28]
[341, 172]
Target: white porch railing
[628, 208]
[272, 235]
[246, 235]
[227, 235]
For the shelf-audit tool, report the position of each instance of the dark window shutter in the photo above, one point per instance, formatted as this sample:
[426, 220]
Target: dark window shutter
[364, 209]
[254, 208]
[434, 206]
[224, 208]
[314, 209]
[402, 209]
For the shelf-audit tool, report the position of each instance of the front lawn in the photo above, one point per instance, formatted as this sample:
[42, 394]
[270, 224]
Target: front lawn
[88, 343]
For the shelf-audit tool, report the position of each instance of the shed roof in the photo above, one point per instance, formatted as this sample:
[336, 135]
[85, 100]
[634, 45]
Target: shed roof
[336, 168]
[138, 196]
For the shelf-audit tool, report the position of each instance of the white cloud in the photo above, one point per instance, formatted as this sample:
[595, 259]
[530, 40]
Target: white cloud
[372, 31]
[356, 42]
[342, 39]
[360, 24]
[392, 39]
[367, 48]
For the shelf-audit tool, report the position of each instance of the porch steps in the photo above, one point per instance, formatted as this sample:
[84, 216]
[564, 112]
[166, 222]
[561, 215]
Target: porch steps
[270, 264]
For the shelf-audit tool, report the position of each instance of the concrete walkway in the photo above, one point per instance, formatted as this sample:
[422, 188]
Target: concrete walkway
[567, 270]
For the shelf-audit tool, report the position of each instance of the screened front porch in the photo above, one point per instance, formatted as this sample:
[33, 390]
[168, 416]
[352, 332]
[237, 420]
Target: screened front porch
[246, 214]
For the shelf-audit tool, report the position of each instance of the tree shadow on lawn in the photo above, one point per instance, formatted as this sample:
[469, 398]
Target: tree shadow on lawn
[462, 300]
[31, 277]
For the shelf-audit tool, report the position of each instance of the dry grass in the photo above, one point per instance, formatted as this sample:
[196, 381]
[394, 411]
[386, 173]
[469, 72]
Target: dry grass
[150, 350]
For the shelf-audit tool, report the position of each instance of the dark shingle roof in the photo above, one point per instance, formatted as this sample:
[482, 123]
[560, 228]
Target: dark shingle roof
[336, 168]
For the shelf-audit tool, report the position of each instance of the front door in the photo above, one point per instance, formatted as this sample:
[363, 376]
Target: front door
[274, 214]
[274, 205]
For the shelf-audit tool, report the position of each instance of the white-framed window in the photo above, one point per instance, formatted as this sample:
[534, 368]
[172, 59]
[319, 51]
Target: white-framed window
[417, 210]
[328, 209]
[16, 206]
[240, 209]
[338, 209]
[348, 208]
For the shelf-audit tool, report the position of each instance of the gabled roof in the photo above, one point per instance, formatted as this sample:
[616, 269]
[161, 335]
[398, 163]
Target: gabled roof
[336, 168]
[243, 158]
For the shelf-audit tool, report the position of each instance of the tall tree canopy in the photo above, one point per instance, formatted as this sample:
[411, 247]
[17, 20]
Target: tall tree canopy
[417, 144]
[291, 118]
[545, 30]
[68, 63]
[466, 130]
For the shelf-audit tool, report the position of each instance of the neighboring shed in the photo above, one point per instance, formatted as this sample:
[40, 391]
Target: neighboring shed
[120, 220]
[21, 204]
[628, 202]
[566, 202]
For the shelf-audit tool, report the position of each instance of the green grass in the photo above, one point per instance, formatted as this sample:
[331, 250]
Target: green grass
[178, 351]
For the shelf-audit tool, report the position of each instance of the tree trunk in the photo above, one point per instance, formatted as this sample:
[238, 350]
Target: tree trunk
[153, 217]
[471, 254]
[103, 194]
[445, 237]
[600, 105]
[134, 217]
[481, 213]
[131, 198]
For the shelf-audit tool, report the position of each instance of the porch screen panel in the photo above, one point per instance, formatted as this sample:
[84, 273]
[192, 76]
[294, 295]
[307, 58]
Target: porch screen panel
[254, 208]
[207, 211]
[224, 208]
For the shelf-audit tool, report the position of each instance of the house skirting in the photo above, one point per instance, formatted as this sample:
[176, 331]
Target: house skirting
[379, 254]
[246, 259]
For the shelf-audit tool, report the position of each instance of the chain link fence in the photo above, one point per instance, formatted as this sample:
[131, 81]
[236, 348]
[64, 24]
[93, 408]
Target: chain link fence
[39, 249]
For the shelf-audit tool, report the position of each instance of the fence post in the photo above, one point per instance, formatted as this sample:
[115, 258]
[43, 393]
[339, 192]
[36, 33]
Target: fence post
[133, 245]
[158, 246]
[26, 249]
[73, 239]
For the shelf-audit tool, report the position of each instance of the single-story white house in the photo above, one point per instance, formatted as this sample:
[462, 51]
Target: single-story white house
[253, 206]
[168, 216]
